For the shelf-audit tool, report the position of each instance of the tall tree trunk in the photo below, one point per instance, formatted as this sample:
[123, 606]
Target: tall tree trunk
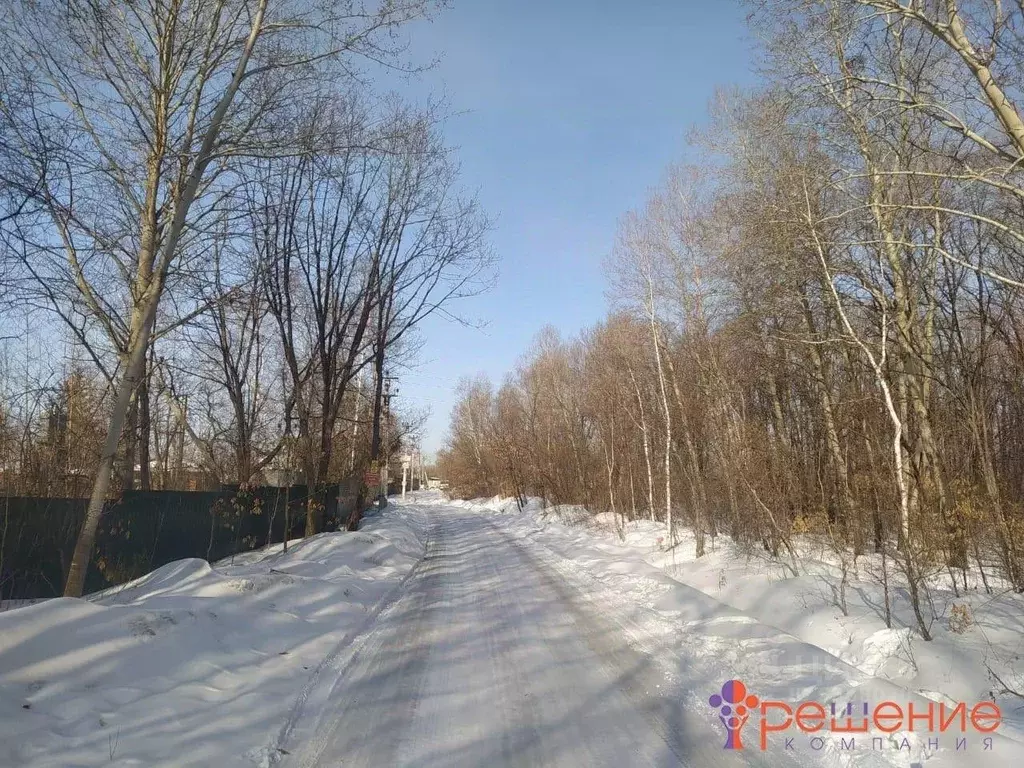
[130, 441]
[378, 400]
[149, 283]
[632, 491]
[667, 413]
[145, 430]
[823, 398]
[1008, 546]
[693, 471]
[647, 446]
[142, 325]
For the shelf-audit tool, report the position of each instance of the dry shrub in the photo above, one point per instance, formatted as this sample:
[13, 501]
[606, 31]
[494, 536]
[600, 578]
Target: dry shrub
[960, 618]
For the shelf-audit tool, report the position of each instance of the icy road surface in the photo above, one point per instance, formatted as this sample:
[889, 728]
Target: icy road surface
[488, 658]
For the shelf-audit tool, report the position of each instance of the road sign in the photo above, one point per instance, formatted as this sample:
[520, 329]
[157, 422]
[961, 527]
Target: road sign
[372, 476]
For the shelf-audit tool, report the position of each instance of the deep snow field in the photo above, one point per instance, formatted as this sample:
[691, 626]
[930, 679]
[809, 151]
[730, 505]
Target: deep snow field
[818, 653]
[207, 663]
[227, 664]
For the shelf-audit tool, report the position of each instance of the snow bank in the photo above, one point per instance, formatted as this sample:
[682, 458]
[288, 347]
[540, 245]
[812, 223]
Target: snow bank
[193, 664]
[731, 615]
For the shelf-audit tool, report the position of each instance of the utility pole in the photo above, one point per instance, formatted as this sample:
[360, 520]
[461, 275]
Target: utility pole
[355, 425]
[369, 487]
[408, 468]
[385, 474]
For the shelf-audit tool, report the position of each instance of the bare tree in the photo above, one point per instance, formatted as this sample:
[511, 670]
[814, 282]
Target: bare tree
[137, 117]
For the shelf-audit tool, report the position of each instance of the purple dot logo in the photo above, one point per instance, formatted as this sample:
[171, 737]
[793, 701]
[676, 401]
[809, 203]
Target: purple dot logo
[734, 705]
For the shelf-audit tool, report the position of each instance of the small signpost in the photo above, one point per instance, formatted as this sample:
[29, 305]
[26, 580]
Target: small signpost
[372, 476]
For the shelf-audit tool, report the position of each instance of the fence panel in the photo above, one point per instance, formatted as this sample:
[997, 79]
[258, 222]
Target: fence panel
[146, 529]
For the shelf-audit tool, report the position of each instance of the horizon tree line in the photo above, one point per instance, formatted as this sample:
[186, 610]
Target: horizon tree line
[208, 200]
[816, 327]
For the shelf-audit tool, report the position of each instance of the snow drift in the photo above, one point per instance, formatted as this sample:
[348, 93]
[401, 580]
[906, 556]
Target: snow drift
[731, 615]
[193, 664]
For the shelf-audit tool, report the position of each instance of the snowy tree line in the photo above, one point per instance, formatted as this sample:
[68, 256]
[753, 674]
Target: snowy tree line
[215, 236]
[817, 327]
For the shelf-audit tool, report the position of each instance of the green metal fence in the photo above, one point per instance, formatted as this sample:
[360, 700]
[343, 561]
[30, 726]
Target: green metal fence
[146, 529]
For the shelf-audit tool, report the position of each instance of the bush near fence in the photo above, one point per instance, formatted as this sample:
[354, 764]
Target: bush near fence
[146, 529]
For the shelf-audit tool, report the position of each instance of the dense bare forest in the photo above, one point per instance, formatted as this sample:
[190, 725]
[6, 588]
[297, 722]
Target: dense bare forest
[817, 328]
[217, 237]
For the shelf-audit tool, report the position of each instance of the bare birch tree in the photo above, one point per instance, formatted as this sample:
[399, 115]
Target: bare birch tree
[137, 117]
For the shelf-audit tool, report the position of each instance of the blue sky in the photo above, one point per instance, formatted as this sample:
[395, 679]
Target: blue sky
[564, 114]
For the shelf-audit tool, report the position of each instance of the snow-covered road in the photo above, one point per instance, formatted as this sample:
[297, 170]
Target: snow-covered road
[488, 658]
[441, 634]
